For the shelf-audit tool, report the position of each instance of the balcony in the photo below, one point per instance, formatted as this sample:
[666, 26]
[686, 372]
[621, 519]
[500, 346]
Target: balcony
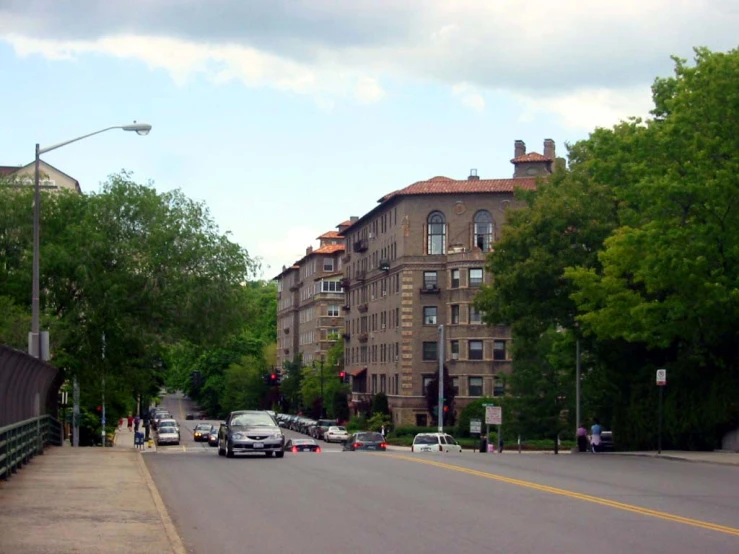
[430, 288]
[346, 258]
[346, 308]
[361, 275]
[346, 336]
[294, 287]
[363, 308]
[384, 265]
[363, 337]
[345, 282]
[361, 245]
[286, 330]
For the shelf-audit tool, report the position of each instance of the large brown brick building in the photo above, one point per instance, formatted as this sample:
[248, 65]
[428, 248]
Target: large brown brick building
[416, 261]
[309, 301]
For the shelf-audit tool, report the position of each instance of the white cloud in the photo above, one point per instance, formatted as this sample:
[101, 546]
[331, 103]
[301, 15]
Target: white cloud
[283, 248]
[588, 108]
[560, 57]
[367, 90]
[469, 96]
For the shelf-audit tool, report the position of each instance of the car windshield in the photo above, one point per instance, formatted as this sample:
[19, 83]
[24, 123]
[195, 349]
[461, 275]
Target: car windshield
[338, 429]
[426, 439]
[251, 420]
[303, 441]
[202, 428]
[167, 429]
[370, 437]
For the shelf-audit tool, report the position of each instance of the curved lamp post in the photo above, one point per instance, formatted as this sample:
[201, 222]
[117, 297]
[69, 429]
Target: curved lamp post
[34, 341]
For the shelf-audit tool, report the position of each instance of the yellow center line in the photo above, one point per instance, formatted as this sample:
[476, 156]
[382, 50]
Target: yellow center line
[576, 495]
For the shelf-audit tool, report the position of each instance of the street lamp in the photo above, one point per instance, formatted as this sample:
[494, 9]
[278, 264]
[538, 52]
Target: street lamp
[34, 341]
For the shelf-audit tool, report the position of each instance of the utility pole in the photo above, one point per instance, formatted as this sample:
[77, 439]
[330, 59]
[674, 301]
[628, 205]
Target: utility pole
[440, 408]
[577, 385]
[103, 414]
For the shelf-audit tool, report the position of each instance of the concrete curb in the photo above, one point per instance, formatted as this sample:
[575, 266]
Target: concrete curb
[172, 535]
[672, 458]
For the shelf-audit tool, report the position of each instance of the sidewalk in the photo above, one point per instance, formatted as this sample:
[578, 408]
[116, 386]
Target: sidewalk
[716, 457]
[86, 500]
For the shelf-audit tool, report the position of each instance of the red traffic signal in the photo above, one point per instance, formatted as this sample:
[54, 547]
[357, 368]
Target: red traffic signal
[273, 377]
[342, 374]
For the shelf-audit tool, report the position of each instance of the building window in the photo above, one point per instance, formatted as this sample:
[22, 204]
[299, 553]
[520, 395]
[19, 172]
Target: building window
[475, 276]
[429, 315]
[436, 229]
[474, 315]
[430, 351]
[426, 381]
[329, 286]
[475, 350]
[455, 278]
[483, 230]
[455, 386]
[328, 265]
[498, 386]
[333, 311]
[455, 349]
[499, 350]
[430, 280]
[475, 386]
[455, 314]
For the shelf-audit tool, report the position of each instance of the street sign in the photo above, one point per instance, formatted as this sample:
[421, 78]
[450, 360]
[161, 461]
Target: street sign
[475, 427]
[493, 415]
[661, 377]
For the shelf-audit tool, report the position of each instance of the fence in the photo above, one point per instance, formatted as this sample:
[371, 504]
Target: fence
[29, 387]
[21, 441]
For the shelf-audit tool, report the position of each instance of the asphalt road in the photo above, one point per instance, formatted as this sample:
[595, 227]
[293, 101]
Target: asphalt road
[396, 502]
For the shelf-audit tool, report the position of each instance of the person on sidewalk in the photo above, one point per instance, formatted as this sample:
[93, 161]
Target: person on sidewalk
[130, 423]
[595, 432]
[582, 438]
[136, 423]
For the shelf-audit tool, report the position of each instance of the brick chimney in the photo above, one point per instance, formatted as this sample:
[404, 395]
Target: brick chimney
[473, 175]
[519, 149]
[308, 250]
[549, 149]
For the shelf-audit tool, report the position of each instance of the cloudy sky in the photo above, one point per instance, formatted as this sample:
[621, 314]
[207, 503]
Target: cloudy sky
[288, 116]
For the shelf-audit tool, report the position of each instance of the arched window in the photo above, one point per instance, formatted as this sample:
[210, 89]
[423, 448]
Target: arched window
[483, 230]
[436, 230]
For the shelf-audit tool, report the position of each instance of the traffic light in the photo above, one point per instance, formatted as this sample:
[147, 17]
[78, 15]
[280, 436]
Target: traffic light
[343, 377]
[271, 380]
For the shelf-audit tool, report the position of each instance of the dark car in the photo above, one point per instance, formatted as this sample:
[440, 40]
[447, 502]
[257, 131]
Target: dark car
[202, 432]
[190, 417]
[366, 440]
[250, 431]
[302, 445]
[213, 436]
[606, 441]
[321, 427]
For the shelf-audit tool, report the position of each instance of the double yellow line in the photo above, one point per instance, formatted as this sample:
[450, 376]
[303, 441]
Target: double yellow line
[576, 495]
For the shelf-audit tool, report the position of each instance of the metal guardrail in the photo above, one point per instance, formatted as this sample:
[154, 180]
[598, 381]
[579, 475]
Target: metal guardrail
[22, 441]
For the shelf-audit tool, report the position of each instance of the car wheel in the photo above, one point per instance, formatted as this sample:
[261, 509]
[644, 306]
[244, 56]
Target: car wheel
[279, 454]
[221, 451]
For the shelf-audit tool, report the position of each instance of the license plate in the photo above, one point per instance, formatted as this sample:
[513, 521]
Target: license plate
[370, 448]
[304, 449]
[258, 445]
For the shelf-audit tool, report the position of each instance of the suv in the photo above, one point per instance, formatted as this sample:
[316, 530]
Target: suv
[435, 442]
[321, 427]
[250, 431]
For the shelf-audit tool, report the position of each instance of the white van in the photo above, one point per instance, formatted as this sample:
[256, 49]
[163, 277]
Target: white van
[435, 442]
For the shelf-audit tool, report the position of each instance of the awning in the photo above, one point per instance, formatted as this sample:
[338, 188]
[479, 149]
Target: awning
[358, 372]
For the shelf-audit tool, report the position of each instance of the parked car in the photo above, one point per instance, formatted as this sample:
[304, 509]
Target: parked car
[606, 441]
[168, 434]
[435, 442]
[336, 433]
[250, 431]
[321, 427]
[365, 440]
[302, 445]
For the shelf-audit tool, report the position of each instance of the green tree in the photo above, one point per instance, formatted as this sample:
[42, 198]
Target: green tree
[380, 404]
[244, 387]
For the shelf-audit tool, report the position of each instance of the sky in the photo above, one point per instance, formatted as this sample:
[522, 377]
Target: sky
[286, 117]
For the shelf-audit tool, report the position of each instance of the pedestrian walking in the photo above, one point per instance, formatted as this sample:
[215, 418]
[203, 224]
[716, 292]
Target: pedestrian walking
[130, 423]
[120, 424]
[582, 438]
[136, 423]
[383, 431]
[595, 432]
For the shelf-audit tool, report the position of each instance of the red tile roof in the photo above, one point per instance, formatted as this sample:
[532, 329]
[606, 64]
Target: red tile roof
[328, 249]
[330, 235]
[345, 224]
[531, 157]
[445, 185]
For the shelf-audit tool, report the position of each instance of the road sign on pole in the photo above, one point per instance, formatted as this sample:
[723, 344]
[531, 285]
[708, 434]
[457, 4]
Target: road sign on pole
[493, 415]
[475, 427]
[661, 377]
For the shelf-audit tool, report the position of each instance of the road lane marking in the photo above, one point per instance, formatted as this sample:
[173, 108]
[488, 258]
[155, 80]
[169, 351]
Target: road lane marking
[576, 495]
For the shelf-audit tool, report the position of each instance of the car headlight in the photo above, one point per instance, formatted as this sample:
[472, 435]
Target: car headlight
[278, 436]
[238, 436]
